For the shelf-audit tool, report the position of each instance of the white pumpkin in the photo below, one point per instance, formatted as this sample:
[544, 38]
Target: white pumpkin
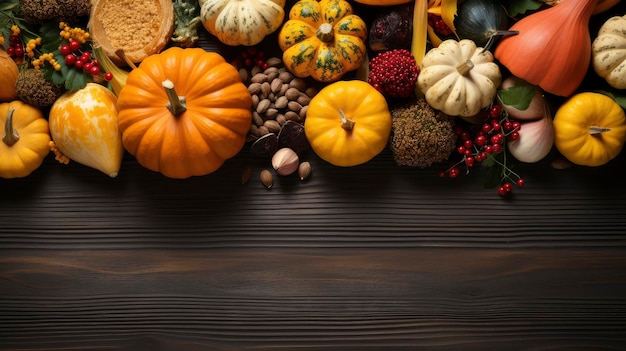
[241, 22]
[609, 52]
[459, 78]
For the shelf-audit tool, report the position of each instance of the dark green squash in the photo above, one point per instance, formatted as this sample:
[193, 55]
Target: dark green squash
[481, 21]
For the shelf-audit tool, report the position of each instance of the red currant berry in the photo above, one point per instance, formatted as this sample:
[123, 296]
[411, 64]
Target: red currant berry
[85, 56]
[87, 66]
[489, 149]
[508, 187]
[480, 141]
[95, 71]
[453, 172]
[495, 125]
[495, 139]
[520, 182]
[65, 50]
[461, 150]
[468, 152]
[79, 64]
[517, 126]
[469, 161]
[486, 128]
[501, 191]
[508, 125]
[495, 111]
[74, 45]
[19, 51]
[441, 173]
[514, 136]
[11, 51]
[70, 59]
[465, 136]
[95, 62]
[458, 130]
[468, 144]
[108, 76]
[497, 148]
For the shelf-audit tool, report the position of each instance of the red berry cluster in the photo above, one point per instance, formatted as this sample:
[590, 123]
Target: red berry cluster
[249, 58]
[394, 73]
[16, 48]
[82, 59]
[437, 23]
[479, 143]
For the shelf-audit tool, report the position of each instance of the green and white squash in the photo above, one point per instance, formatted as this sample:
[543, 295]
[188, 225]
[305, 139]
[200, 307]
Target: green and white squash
[242, 22]
[323, 40]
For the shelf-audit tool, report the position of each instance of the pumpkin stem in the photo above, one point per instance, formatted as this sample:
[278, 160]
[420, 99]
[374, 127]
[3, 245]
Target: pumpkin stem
[496, 34]
[346, 123]
[325, 33]
[10, 136]
[593, 130]
[176, 104]
[464, 67]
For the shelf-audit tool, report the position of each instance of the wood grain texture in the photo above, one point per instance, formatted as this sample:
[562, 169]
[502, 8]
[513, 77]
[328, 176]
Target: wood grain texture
[375, 257]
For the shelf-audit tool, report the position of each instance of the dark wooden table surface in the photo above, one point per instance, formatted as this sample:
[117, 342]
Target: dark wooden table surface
[373, 257]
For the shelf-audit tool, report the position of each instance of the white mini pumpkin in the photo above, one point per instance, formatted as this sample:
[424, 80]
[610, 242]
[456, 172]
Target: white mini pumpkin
[241, 22]
[609, 52]
[459, 78]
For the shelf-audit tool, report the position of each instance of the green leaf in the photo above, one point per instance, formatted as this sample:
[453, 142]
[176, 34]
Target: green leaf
[620, 99]
[518, 96]
[79, 81]
[493, 177]
[69, 77]
[8, 5]
[56, 77]
[520, 7]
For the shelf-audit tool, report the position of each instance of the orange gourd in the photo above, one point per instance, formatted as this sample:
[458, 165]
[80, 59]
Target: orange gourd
[183, 112]
[24, 139]
[553, 47]
[8, 77]
[348, 123]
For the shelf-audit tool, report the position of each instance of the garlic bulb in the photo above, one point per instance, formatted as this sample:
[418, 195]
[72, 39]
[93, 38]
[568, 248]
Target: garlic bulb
[535, 141]
[285, 161]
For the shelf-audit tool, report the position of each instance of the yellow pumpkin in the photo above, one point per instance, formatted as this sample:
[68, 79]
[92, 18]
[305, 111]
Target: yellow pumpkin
[348, 123]
[8, 77]
[25, 139]
[183, 112]
[590, 129]
[242, 22]
[83, 126]
[382, 2]
[609, 52]
[459, 78]
[323, 40]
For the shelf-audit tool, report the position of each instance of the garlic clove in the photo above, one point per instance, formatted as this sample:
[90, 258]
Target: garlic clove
[535, 141]
[285, 161]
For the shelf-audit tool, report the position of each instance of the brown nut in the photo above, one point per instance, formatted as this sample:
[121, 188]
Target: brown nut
[266, 178]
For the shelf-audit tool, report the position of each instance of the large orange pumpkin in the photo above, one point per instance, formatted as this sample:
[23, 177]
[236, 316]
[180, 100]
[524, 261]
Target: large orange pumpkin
[184, 112]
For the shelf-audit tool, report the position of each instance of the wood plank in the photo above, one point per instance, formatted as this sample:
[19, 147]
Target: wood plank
[283, 299]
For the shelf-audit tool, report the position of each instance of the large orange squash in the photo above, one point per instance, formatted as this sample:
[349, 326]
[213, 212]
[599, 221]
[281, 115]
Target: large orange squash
[183, 112]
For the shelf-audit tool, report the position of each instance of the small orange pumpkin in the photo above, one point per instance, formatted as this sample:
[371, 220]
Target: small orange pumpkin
[348, 123]
[8, 77]
[183, 112]
[24, 138]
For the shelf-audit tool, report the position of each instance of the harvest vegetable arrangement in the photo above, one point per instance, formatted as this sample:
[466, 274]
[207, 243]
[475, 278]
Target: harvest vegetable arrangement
[452, 84]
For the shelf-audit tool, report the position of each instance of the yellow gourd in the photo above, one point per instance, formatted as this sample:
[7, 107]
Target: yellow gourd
[348, 123]
[8, 77]
[25, 138]
[83, 125]
[590, 129]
